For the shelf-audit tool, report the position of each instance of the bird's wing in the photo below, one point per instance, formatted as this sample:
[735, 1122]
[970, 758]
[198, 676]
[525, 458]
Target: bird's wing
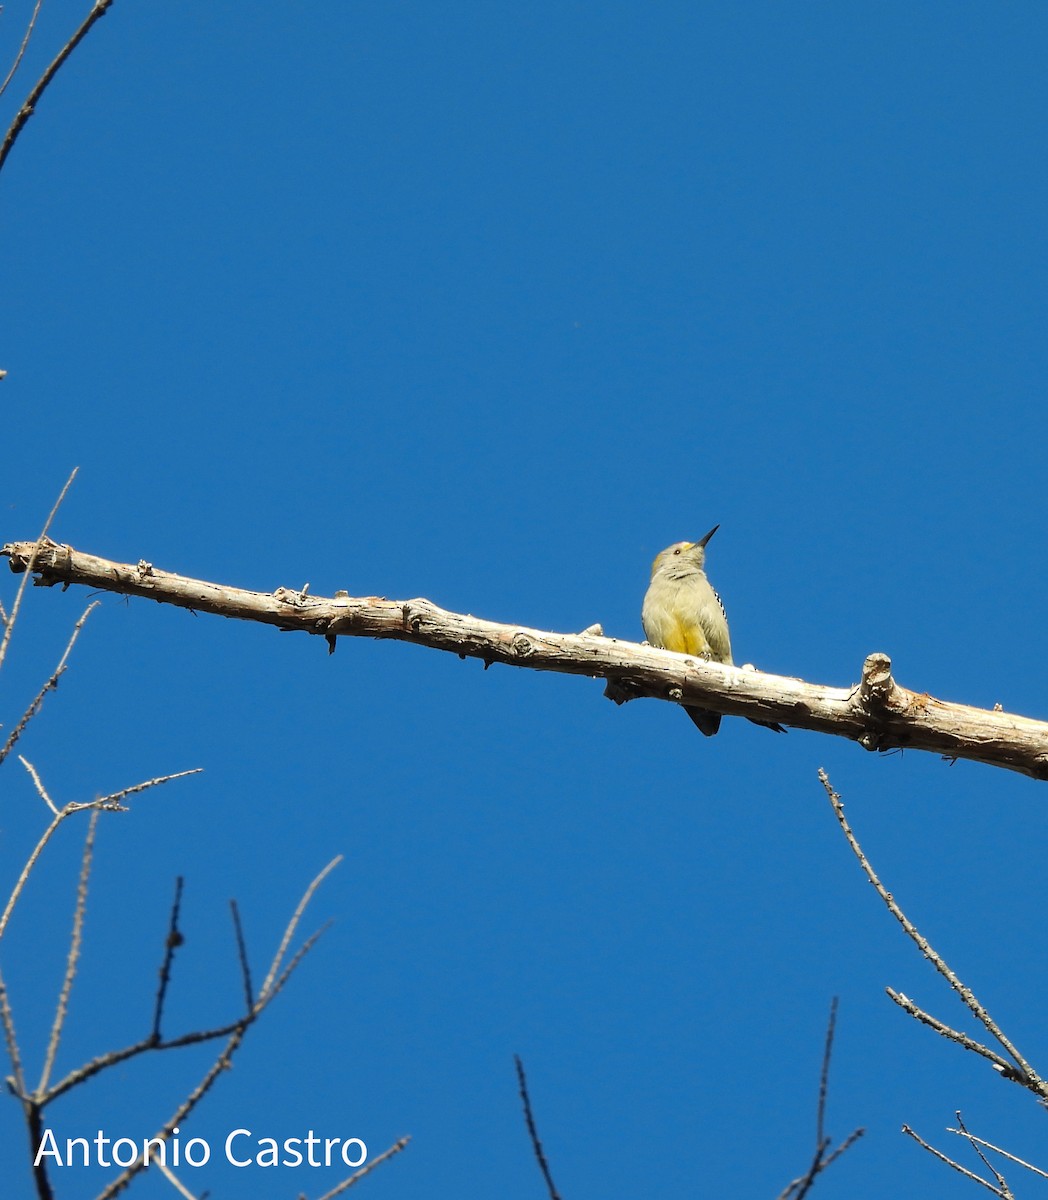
[709, 613]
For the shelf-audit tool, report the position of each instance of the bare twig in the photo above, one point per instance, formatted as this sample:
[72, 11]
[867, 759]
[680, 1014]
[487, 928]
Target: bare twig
[22, 48]
[11, 1040]
[109, 803]
[1004, 1194]
[366, 1169]
[533, 1133]
[289, 932]
[800, 1186]
[953, 1035]
[26, 870]
[74, 954]
[173, 1179]
[978, 1150]
[824, 1075]
[1021, 1162]
[222, 1063]
[36, 549]
[195, 1037]
[266, 995]
[1021, 1072]
[38, 783]
[98, 10]
[245, 966]
[52, 683]
[145, 1045]
[115, 799]
[299, 955]
[173, 940]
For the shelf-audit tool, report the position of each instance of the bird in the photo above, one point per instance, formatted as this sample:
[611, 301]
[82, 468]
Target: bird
[682, 612]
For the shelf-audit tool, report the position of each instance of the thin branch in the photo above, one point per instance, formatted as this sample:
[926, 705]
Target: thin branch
[245, 967]
[74, 953]
[877, 713]
[51, 684]
[366, 1169]
[953, 1035]
[195, 1037]
[173, 940]
[847, 1144]
[299, 955]
[1005, 1195]
[824, 1075]
[11, 1040]
[971, 1137]
[224, 1061]
[289, 932]
[26, 111]
[38, 783]
[27, 869]
[1025, 1073]
[36, 549]
[533, 1133]
[800, 1186]
[803, 1184]
[110, 803]
[146, 1045]
[114, 799]
[173, 1179]
[22, 47]
[1001, 1183]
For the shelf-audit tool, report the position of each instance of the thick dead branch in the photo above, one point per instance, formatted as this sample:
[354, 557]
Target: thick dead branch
[877, 713]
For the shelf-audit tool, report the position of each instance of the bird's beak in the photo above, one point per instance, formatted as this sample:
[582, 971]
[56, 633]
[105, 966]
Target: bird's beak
[707, 537]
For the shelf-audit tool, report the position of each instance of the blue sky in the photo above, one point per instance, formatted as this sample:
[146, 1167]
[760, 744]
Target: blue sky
[488, 305]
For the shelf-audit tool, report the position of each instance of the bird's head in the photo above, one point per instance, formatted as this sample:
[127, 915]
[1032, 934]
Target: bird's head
[682, 558]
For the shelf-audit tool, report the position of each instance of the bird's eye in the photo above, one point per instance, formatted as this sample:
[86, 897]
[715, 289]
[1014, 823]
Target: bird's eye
[677, 551]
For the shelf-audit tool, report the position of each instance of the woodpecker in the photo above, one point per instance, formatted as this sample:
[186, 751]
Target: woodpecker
[682, 612]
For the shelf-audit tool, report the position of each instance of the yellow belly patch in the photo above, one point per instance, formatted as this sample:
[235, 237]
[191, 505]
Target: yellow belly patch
[686, 637]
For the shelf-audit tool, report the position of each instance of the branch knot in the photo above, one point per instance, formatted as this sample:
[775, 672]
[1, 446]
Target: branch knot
[521, 646]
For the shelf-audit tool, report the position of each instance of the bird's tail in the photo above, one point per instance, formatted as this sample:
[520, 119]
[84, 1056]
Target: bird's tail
[707, 722]
[772, 725]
